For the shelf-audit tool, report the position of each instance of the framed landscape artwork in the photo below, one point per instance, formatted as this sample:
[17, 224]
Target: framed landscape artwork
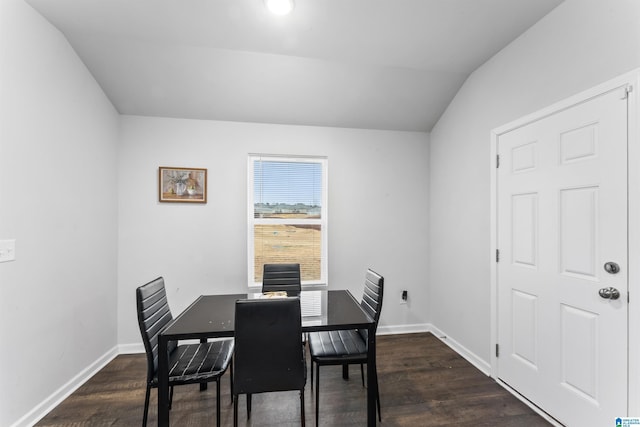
[185, 185]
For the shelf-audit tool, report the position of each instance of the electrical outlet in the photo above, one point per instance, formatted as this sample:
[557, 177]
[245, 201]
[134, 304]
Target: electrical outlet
[404, 297]
[7, 250]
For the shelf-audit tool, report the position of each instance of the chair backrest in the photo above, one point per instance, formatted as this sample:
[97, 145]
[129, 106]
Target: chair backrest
[268, 355]
[281, 277]
[153, 315]
[372, 298]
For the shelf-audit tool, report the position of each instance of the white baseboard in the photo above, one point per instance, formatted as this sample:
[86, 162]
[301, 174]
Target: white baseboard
[131, 348]
[403, 329]
[47, 405]
[478, 362]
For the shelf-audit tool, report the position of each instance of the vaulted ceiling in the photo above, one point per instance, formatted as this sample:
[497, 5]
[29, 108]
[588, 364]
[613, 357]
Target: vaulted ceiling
[376, 64]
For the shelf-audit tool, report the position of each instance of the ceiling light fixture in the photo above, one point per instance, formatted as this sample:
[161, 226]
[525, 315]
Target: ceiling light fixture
[279, 7]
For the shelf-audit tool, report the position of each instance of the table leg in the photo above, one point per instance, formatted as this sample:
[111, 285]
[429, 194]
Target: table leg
[372, 383]
[163, 383]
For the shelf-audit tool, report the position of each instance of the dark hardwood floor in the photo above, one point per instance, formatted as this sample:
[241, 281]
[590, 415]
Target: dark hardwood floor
[422, 383]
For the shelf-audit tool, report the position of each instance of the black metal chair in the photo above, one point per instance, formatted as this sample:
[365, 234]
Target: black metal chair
[188, 364]
[348, 347]
[268, 352]
[281, 277]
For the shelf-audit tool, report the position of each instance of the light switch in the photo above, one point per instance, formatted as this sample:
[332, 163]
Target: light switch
[7, 250]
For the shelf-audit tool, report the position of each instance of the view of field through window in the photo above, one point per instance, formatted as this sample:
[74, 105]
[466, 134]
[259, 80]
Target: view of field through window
[287, 213]
[288, 243]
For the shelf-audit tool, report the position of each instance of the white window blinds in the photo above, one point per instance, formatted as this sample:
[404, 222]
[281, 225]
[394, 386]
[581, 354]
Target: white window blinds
[287, 215]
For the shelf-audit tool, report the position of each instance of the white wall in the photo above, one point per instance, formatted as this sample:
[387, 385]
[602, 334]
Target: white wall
[378, 208]
[58, 135]
[578, 45]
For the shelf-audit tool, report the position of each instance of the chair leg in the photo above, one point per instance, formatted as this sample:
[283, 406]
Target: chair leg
[235, 411]
[302, 407]
[231, 378]
[146, 406]
[248, 406]
[218, 402]
[317, 392]
[377, 394]
[362, 373]
[170, 397]
[345, 371]
[311, 374]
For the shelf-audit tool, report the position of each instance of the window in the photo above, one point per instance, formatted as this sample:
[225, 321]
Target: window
[287, 215]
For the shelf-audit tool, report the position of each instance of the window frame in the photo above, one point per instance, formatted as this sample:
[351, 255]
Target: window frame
[252, 221]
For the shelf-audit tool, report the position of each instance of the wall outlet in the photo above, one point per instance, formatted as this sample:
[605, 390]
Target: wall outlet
[404, 297]
[7, 250]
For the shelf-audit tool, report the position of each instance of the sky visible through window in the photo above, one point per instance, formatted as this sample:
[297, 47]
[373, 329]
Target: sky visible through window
[287, 182]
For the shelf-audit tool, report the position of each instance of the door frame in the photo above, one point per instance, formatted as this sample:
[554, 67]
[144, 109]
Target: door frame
[631, 80]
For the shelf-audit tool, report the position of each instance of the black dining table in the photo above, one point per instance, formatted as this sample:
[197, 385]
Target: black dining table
[212, 316]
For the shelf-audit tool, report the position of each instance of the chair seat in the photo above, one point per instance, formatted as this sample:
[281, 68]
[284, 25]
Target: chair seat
[197, 363]
[337, 346]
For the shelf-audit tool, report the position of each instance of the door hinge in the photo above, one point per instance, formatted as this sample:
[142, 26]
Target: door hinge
[497, 255]
[497, 161]
[627, 90]
[497, 350]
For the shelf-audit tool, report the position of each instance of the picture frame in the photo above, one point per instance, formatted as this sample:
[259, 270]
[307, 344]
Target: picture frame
[182, 185]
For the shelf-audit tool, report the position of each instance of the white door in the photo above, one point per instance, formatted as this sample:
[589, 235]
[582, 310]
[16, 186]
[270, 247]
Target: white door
[562, 215]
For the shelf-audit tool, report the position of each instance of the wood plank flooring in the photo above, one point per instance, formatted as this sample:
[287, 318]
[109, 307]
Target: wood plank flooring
[422, 383]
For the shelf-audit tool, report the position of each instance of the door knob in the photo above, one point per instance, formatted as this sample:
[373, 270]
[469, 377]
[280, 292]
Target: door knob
[609, 293]
[611, 267]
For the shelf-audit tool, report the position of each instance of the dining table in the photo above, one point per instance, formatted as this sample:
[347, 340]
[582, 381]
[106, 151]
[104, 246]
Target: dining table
[212, 316]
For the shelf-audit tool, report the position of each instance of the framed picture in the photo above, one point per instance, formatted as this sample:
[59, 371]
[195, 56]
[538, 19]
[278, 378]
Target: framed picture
[186, 185]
